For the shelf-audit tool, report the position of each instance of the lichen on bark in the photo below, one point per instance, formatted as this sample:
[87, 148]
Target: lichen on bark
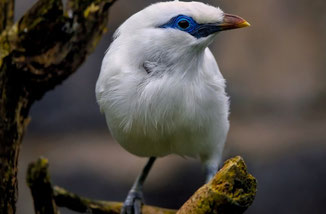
[232, 190]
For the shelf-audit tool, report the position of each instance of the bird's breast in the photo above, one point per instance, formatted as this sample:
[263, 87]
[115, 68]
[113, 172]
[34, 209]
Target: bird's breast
[165, 115]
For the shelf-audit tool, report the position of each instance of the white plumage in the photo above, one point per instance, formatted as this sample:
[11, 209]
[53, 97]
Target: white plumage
[160, 87]
[181, 106]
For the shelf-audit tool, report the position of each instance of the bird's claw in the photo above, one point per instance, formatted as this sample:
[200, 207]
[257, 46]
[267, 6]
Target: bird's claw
[133, 203]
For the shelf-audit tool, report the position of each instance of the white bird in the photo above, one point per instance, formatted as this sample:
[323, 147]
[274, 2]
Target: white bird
[160, 87]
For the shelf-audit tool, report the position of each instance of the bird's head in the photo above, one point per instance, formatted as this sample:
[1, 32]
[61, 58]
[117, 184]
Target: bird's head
[178, 24]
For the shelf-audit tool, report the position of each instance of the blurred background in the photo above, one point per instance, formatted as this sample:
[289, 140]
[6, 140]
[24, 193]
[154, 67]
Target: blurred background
[276, 75]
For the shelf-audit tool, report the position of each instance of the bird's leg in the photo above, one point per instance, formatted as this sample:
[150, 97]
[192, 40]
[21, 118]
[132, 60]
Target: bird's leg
[134, 200]
[211, 170]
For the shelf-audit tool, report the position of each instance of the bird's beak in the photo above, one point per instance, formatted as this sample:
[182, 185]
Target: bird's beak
[229, 22]
[232, 22]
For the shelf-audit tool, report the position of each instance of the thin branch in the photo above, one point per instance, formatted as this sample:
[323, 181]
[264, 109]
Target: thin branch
[79, 204]
[44, 195]
[38, 180]
[232, 190]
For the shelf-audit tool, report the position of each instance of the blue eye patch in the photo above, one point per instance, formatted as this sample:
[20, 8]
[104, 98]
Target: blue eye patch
[189, 25]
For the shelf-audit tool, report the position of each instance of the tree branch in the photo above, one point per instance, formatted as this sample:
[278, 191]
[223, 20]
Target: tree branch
[79, 204]
[6, 13]
[37, 53]
[38, 180]
[232, 190]
[48, 44]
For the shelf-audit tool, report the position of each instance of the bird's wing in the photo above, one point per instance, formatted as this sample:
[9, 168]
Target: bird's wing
[99, 93]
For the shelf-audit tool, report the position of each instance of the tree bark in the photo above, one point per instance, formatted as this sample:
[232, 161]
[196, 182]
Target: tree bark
[232, 190]
[38, 180]
[7, 11]
[37, 53]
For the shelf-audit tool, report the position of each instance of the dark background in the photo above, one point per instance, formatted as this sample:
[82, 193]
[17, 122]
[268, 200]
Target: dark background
[276, 78]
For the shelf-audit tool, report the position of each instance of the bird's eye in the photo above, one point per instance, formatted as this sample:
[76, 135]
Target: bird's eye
[183, 24]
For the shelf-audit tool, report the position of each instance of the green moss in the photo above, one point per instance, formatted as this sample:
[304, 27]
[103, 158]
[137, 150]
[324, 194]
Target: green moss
[38, 170]
[232, 190]
[91, 9]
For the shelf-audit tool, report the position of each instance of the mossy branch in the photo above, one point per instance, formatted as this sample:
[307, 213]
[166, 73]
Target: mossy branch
[79, 204]
[48, 44]
[37, 53]
[41, 188]
[232, 190]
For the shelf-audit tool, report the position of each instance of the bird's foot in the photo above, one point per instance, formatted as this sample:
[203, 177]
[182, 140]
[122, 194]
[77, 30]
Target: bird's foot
[133, 203]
